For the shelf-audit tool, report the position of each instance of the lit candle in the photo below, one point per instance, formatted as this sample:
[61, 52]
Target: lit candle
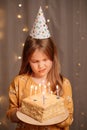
[57, 87]
[45, 88]
[43, 82]
[35, 90]
[49, 91]
[31, 90]
[57, 90]
[40, 88]
[43, 96]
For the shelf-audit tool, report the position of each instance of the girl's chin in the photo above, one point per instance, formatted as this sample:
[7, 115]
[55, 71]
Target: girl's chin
[41, 75]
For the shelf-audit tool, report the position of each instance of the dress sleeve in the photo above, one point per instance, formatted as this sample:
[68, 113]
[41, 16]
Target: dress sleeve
[68, 103]
[13, 101]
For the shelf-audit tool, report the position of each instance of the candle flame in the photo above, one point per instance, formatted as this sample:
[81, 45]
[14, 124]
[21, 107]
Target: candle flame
[57, 87]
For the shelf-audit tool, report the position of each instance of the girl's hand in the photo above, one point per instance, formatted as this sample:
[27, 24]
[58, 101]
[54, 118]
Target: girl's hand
[19, 109]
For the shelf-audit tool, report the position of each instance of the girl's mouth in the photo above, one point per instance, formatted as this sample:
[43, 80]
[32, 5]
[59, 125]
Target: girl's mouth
[41, 71]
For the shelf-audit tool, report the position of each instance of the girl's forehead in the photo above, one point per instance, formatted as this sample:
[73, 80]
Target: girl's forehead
[38, 53]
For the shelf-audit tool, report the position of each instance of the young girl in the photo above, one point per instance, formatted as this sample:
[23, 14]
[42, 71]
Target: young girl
[39, 63]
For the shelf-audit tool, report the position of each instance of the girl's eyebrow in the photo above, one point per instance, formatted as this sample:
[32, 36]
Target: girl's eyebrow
[34, 59]
[37, 59]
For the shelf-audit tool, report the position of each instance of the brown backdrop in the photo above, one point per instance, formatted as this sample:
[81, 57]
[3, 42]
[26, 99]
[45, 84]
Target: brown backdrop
[67, 21]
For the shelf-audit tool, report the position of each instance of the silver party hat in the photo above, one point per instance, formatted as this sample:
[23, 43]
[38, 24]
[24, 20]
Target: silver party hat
[40, 28]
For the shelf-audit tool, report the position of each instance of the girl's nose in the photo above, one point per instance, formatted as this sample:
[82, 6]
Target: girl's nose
[41, 64]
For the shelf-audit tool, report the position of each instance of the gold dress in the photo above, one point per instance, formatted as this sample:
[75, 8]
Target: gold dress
[20, 88]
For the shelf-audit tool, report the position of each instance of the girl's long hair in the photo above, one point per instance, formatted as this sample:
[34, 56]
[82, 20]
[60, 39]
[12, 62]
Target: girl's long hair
[49, 48]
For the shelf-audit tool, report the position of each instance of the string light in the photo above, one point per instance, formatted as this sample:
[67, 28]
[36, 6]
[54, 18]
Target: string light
[16, 57]
[2, 23]
[46, 6]
[82, 125]
[22, 44]
[82, 38]
[2, 99]
[19, 57]
[77, 74]
[48, 20]
[77, 23]
[25, 29]
[19, 16]
[79, 64]
[82, 113]
[20, 5]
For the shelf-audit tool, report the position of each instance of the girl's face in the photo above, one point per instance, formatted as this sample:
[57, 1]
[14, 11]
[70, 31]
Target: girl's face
[40, 64]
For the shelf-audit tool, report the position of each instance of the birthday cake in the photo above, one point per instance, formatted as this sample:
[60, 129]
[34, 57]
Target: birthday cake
[43, 108]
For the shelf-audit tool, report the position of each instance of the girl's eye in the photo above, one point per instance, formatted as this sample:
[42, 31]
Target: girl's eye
[37, 61]
[34, 61]
[45, 60]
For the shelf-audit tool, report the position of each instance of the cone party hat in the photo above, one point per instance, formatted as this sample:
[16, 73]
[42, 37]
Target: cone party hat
[40, 28]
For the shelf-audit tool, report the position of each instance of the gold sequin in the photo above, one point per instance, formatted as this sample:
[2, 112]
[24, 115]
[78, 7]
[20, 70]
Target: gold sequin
[69, 98]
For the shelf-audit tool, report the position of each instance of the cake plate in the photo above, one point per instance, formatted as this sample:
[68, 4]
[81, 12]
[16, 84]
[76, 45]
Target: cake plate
[32, 121]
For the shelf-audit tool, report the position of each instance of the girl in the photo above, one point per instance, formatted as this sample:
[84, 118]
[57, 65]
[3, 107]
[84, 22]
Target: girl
[39, 62]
